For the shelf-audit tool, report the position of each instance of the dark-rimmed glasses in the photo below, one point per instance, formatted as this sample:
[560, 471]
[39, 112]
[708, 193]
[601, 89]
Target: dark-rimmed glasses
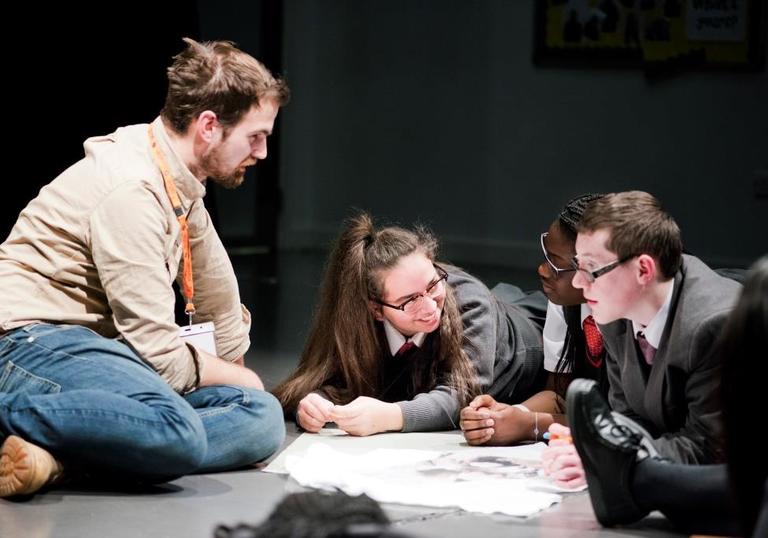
[591, 276]
[554, 268]
[413, 304]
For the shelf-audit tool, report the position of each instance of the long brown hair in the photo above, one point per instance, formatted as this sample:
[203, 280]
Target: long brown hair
[343, 351]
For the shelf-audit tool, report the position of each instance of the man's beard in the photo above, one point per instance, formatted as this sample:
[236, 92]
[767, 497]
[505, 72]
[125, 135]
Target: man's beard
[214, 169]
[231, 181]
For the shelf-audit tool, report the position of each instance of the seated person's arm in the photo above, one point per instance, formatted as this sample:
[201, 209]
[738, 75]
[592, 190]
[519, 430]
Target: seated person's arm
[216, 371]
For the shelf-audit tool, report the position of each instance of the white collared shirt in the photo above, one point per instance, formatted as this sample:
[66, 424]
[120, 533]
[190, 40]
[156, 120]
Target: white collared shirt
[395, 338]
[554, 332]
[655, 328]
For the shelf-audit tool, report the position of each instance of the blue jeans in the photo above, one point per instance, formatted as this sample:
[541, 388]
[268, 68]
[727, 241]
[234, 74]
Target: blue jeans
[92, 402]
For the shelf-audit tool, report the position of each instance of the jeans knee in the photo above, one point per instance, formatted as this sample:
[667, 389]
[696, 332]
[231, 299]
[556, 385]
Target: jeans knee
[267, 431]
[275, 426]
[184, 447]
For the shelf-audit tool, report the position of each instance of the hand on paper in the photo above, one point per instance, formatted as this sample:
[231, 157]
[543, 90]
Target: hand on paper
[560, 461]
[313, 412]
[366, 416]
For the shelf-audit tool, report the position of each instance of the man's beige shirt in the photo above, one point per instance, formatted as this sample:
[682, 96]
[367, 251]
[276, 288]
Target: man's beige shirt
[100, 247]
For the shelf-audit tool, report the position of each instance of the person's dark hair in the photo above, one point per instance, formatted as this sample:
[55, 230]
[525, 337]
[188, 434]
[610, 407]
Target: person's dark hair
[574, 345]
[219, 77]
[638, 225]
[570, 216]
[343, 352]
[317, 514]
[742, 347]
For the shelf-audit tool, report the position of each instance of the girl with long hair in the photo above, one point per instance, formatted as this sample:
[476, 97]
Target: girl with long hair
[572, 345]
[400, 342]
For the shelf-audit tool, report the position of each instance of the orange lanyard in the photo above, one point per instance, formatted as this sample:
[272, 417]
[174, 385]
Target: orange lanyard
[186, 278]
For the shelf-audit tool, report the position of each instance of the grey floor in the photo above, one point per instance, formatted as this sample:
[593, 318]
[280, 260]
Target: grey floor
[280, 292]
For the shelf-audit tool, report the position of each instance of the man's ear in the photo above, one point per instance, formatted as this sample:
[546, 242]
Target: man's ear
[647, 269]
[376, 310]
[206, 126]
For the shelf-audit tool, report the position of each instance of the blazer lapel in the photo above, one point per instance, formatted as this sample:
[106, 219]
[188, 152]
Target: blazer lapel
[656, 397]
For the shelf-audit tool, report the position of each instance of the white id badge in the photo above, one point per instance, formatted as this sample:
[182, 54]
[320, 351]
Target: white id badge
[201, 335]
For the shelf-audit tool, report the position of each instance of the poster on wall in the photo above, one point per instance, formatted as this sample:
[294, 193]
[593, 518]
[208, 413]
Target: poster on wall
[687, 34]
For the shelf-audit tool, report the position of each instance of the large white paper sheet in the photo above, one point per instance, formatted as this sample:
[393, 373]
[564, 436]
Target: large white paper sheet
[427, 469]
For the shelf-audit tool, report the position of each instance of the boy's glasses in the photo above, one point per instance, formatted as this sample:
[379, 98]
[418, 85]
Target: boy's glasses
[591, 276]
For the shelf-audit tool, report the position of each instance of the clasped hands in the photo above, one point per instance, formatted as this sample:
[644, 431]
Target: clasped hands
[362, 416]
[487, 422]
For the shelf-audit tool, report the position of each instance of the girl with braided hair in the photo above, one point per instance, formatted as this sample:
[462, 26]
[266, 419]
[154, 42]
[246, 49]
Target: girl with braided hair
[572, 345]
[567, 333]
[400, 342]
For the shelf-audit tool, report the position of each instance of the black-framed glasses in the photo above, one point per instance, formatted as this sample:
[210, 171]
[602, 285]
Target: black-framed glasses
[413, 304]
[555, 269]
[591, 276]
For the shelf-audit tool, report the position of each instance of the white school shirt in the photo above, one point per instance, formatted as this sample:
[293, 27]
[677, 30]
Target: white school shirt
[395, 338]
[655, 328]
[554, 334]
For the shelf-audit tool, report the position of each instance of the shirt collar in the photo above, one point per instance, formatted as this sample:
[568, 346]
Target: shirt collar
[585, 311]
[655, 328]
[396, 340]
[188, 186]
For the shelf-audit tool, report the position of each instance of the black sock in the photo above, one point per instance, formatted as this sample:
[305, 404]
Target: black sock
[695, 498]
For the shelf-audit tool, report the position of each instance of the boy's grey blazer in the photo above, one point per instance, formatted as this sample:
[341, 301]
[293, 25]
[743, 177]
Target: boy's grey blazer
[677, 399]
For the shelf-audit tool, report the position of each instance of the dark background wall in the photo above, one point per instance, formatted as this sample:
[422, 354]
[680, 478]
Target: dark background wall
[415, 110]
[93, 74]
[434, 111]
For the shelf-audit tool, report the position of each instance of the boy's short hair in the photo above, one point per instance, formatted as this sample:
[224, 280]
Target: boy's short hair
[637, 225]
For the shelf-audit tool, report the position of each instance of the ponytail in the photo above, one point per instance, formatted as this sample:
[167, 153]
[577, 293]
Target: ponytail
[343, 352]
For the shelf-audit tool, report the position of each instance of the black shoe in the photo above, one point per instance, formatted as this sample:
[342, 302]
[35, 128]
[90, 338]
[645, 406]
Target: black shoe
[609, 445]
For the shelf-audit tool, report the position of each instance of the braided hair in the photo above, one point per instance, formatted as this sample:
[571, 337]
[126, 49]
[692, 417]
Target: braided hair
[571, 214]
[575, 343]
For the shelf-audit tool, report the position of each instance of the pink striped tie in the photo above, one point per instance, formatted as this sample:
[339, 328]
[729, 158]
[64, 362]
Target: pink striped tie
[649, 352]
